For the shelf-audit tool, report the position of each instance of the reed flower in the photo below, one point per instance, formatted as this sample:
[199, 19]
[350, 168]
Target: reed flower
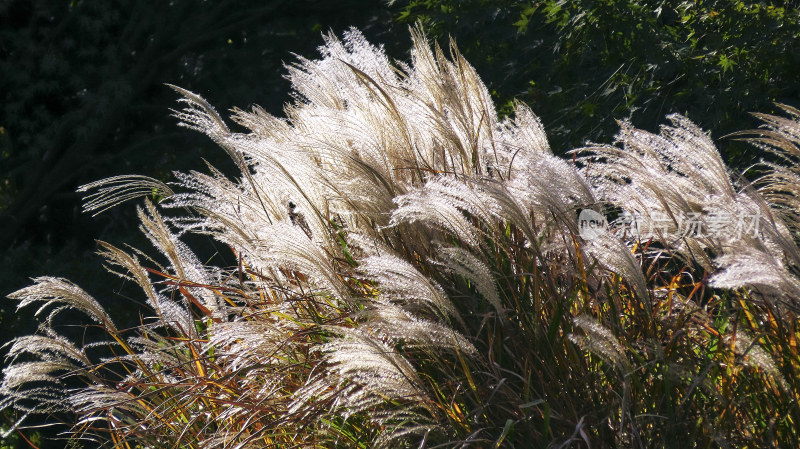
[410, 272]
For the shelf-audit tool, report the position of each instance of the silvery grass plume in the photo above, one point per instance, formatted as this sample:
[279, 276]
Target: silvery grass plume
[774, 265]
[683, 196]
[410, 273]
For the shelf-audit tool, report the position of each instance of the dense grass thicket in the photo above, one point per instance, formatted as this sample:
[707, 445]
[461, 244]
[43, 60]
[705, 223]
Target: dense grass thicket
[412, 272]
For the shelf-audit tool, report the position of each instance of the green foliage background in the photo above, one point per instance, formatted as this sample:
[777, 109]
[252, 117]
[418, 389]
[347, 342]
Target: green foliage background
[582, 64]
[82, 95]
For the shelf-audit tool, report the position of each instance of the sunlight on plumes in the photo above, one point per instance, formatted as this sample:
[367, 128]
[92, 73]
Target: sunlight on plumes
[410, 271]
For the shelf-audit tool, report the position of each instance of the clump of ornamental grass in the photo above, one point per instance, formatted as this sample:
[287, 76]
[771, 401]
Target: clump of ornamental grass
[411, 272]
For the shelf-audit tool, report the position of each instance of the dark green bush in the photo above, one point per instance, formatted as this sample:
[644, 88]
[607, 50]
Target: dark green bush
[583, 64]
